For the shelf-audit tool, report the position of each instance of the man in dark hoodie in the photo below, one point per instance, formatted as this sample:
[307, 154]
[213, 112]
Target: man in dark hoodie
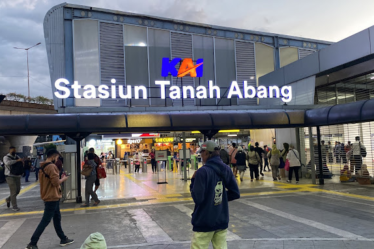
[212, 187]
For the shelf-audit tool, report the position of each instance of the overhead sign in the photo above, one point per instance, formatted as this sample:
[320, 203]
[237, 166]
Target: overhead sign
[164, 140]
[145, 135]
[134, 141]
[186, 67]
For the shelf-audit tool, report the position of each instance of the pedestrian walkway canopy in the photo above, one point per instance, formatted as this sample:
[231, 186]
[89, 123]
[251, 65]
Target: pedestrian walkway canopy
[185, 121]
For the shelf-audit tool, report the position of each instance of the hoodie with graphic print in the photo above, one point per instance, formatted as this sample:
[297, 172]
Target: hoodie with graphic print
[213, 186]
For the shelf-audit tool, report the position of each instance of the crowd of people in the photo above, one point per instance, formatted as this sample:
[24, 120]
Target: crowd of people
[261, 159]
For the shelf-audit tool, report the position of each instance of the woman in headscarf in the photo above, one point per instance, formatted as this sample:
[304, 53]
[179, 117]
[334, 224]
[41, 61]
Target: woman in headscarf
[90, 181]
[241, 164]
[253, 161]
[274, 156]
[283, 159]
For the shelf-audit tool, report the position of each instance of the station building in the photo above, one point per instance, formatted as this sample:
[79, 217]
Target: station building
[116, 73]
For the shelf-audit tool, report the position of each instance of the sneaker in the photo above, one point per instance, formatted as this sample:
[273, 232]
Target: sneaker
[31, 247]
[15, 209]
[297, 182]
[66, 241]
[288, 181]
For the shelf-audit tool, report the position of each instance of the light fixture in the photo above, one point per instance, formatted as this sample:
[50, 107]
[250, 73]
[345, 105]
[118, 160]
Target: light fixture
[221, 131]
[195, 132]
[119, 141]
[142, 44]
[92, 143]
[372, 78]
[232, 135]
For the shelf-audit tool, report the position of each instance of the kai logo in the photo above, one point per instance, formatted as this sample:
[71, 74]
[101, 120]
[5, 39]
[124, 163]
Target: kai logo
[187, 67]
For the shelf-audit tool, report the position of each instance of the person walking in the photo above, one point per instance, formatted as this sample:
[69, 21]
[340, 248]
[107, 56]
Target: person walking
[212, 187]
[260, 152]
[13, 173]
[90, 181]
[241, 164]
[99, 165]
[266, 161]
[330, 152]
[282, 171]
[253, 160]
[294, 160]
[232, 153]
[50, 192]
[27, 167]
[274, 157]
[358, 151]
[337, 151]
[224, 155]
[137, 162]
[152, 155]
[37, 162]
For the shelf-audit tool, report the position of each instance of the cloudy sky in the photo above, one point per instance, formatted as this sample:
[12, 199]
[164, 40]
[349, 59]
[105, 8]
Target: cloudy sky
[21, 25]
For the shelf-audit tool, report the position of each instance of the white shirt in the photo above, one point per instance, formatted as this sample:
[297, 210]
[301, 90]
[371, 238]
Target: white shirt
[356, 148]
[9, 160]
[293, 158]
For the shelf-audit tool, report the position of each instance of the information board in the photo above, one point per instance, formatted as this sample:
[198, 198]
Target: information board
[188, 154]
[161, 155]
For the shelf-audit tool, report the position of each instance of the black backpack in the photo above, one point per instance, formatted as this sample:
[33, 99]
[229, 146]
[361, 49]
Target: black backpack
[17, 168]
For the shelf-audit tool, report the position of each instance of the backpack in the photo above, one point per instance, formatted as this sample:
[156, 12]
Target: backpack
[17, 168]
[362, 151]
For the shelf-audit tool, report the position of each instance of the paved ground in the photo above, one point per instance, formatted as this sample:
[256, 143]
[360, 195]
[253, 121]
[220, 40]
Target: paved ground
[136, 212]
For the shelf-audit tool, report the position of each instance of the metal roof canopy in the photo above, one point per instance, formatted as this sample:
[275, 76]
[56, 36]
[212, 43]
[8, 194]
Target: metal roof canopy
[361, 111]
[147, 122]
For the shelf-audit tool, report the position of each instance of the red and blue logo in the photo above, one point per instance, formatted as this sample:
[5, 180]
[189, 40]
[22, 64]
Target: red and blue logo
[187, 67]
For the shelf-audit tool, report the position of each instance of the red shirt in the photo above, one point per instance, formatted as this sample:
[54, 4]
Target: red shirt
[152, 155]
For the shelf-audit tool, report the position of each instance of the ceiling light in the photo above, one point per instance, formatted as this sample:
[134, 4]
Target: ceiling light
[221, 131]
[119, 141]
[195, 132]
[232, 135]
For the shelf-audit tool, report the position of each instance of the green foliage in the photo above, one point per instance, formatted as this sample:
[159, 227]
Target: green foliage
[22, 98]
[48, 147]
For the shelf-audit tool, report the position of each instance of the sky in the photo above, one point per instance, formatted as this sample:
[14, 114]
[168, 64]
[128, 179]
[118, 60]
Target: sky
[21, 25]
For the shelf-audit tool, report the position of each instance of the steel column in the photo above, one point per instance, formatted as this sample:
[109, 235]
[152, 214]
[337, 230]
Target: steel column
[321, 179]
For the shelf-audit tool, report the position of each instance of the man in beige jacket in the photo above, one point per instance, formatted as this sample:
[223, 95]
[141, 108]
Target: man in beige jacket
[50, 192]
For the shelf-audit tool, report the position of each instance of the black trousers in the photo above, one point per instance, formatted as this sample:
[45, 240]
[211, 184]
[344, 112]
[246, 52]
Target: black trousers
[253, 169]
[154, 165]
[137, 167]
[296, 170]
[51, 210]
[357, 162]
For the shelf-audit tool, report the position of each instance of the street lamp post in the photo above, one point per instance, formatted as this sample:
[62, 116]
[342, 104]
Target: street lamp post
[28, 72]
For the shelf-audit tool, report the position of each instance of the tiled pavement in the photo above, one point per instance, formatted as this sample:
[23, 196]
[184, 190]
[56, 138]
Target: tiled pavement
[269, 215]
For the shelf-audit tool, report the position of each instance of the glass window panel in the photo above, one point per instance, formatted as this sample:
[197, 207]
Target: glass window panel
[136, 60]
[288, 55]
[86, 57]
[204, 48]
[225, 68]
[264, 59]
[159, 47]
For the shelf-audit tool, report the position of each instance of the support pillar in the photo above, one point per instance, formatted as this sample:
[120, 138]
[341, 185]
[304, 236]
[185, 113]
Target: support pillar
[321, 179]
[184, 158]
[311, 150]
[78, 137]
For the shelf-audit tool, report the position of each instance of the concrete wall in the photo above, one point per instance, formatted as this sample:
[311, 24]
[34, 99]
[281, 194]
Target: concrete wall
[263, 137]
[286, 135]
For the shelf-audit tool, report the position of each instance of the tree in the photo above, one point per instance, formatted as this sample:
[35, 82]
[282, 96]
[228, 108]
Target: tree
[48, 147]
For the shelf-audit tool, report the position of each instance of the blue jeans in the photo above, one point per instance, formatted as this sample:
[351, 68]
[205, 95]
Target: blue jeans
[51, 210]
[37, 173]
[27, 174]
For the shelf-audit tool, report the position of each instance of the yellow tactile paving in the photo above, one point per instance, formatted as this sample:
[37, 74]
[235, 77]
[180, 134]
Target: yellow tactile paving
[24, 190]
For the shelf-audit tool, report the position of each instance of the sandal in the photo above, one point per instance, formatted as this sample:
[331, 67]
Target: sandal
[96, 203]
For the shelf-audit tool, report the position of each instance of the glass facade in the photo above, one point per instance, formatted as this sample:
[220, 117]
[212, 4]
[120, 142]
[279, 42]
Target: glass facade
[133, 56]
[356, 89]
